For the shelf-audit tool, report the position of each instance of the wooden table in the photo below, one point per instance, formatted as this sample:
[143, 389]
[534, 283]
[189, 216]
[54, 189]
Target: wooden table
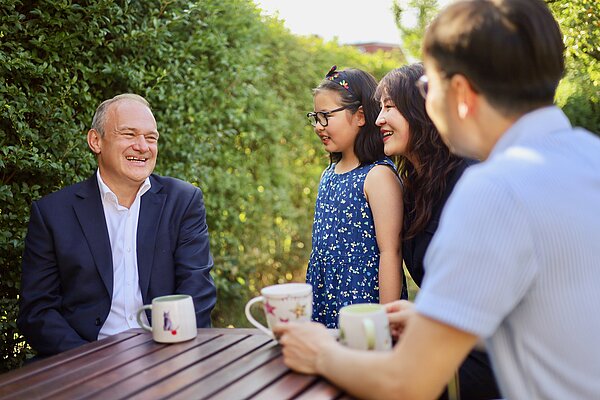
[217, 364]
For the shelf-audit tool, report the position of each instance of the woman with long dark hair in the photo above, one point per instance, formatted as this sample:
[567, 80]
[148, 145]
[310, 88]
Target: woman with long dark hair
[429, 172]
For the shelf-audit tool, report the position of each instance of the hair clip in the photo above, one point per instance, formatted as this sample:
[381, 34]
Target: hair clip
[331, 72]
[339, 77]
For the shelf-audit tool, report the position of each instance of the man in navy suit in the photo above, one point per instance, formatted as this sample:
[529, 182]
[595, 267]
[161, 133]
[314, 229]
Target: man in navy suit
[98, 250]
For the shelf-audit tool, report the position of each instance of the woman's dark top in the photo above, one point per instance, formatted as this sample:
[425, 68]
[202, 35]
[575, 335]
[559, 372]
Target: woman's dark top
[476, 378]
[413, 249]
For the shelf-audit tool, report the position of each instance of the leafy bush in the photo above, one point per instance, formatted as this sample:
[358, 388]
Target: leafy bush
[579, 92]
[229, 89]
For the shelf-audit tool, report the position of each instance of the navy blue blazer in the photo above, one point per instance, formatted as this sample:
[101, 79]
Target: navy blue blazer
[67, 272]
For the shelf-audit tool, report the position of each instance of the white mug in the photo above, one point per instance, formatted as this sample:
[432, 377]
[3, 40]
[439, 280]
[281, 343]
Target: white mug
[283, 303]
[365, 326]
[173, 318]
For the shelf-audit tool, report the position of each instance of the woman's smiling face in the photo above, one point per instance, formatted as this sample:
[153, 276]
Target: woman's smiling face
[394, 128]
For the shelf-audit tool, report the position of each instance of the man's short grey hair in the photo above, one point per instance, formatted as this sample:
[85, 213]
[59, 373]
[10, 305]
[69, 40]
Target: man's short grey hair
[100, 116]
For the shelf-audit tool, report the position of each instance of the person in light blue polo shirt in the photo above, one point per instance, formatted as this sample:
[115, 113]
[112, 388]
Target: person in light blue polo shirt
[515, 260]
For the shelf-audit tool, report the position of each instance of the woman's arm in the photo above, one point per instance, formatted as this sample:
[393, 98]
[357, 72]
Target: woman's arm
[384, 194]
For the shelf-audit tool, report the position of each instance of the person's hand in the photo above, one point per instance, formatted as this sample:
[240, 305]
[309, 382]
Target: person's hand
[302, 344]
[399, 312]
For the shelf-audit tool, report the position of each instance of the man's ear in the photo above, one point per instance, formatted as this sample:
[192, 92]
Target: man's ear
[360, 115]
[466, 96]
[94, 141]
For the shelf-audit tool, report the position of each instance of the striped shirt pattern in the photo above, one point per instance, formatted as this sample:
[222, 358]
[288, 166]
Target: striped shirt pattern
[516, 259]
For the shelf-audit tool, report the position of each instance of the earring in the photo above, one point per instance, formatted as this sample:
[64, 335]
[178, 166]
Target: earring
[463, 109]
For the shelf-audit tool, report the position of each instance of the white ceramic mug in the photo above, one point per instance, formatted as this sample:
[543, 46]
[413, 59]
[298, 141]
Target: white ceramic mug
[173, 318]
[365, 327]
[282, 303]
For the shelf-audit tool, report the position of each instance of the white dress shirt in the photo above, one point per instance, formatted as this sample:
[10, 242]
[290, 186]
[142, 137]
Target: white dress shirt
[122, 225]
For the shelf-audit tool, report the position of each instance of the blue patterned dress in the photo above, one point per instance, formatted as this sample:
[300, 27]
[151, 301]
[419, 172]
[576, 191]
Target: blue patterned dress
[344, 262]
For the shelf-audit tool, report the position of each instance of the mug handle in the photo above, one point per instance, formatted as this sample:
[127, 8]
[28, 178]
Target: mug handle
[139, 317]
[251, 318]
[369, 333]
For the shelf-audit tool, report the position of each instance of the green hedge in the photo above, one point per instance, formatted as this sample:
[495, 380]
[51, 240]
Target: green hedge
[229, 89]
[579, 92]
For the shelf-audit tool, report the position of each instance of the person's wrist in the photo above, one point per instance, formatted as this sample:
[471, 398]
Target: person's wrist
[326, 353]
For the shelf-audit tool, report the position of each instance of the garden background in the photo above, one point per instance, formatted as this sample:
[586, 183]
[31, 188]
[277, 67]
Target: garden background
[230, 89]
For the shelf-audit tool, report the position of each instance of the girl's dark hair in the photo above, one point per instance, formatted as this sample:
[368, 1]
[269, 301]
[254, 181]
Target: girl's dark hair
[423, 189]
[368, 145]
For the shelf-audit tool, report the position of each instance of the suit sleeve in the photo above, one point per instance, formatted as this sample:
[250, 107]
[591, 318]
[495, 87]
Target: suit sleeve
[193, 260]
[40, 319]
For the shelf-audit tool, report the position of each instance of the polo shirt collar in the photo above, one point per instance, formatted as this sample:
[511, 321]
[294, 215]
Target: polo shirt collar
[534, 124]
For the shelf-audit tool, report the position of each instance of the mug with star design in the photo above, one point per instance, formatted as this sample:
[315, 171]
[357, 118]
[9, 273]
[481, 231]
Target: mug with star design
[282, 303]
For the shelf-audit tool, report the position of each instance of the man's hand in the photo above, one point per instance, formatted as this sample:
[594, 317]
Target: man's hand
[398, 314]
[303, 344]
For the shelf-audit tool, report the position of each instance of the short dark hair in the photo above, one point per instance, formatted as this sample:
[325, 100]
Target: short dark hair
[368, 145]
[511, 51]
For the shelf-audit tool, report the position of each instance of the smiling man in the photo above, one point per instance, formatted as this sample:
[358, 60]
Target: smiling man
[98, 250]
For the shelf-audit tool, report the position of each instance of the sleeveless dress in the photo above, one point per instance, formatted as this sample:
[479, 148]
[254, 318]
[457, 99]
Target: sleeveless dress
[344, 262]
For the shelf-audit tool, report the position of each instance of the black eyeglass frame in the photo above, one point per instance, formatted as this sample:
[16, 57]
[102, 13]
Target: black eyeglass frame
[324, 114]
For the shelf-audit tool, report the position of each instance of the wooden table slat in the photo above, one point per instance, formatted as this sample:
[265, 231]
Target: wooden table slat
[50, 380]
[252, 383]
[227, 375]
[37, 367]
[289, 386]
[322, 390]
[197, 372]
[133, 376]
[219, 363]
[232, 331]
[153, 372]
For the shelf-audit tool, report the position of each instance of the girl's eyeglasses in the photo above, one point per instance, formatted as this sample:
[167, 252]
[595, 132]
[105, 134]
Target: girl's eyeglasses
[423, 85]
[321, 116]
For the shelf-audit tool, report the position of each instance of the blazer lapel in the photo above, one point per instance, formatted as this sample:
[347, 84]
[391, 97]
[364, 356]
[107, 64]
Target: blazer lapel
[90, 214]
[152, 203]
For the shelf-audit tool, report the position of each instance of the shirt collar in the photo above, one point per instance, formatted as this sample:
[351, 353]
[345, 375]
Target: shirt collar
[106, 193]
[531, 125]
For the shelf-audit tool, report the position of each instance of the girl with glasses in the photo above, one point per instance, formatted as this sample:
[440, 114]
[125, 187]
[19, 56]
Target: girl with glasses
[355, 254]
[429, 172]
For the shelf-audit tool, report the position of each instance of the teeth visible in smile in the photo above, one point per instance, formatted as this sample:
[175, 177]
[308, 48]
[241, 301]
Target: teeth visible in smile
[324, 137]
[387, 134]
[131, 158]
